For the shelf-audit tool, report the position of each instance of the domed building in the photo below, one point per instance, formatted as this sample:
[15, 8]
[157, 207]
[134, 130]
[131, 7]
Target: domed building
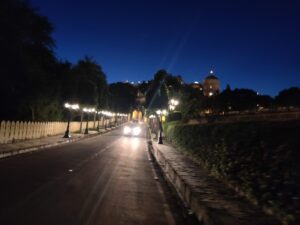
[211, 85]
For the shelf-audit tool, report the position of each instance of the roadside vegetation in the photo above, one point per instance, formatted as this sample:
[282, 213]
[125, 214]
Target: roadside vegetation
[259, 159]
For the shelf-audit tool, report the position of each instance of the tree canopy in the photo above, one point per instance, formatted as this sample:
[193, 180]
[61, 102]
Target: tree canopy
[156, 96]
[122, 97]
[289, 97]
[34, 84]
[27, 62]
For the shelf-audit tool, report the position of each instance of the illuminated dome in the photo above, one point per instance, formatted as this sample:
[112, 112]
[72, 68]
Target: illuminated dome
[211, 85]
[211, 76]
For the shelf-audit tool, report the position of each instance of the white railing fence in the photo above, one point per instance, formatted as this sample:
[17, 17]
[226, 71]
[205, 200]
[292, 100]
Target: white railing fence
[14, 131]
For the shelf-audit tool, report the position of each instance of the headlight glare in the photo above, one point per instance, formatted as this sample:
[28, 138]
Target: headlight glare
[127, 130]
[136, 131]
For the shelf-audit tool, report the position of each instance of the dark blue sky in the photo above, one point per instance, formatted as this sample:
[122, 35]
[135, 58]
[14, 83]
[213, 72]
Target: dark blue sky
[253, 44]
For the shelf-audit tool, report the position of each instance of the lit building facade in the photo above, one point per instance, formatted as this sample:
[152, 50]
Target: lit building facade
[210, 86]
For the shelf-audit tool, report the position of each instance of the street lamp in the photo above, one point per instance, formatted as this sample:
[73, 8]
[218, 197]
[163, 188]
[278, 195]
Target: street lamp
[110, 116]
[160, 113]
[99, 116]
[104, 118]
[173, 103]
[87, 110]
[107, 115]
[69, 107]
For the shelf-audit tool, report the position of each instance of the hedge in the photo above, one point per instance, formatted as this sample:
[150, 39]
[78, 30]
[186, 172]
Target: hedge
[261, 159]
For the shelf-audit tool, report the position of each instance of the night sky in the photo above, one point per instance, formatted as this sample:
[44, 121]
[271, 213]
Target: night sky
[249, 44]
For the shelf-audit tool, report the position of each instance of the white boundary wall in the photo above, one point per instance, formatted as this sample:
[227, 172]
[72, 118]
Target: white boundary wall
[13, 131]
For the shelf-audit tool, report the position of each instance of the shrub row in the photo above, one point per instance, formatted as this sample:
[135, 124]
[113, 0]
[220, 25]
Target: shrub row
[261, 159]
[174, 116]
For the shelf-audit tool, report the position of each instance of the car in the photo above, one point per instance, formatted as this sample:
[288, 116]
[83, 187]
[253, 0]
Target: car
[132, 129]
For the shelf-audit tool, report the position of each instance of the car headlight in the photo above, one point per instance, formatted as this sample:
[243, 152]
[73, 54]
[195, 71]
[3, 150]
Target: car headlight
[127, 130]
[136, 131]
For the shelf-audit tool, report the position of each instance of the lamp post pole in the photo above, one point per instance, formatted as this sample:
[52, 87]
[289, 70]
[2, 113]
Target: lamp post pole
[81, 119]
[87, 110]
[94, 125]
[160, 138]
[69, 107]
[68, 126]
[86, 131]
[116, 120]
[98, 124]
[159, 116]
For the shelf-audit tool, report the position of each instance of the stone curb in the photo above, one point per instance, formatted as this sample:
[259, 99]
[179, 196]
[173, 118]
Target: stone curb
[182, 189]
[42, 147]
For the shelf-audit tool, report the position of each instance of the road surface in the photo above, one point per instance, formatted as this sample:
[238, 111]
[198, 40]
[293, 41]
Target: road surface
[104, 180]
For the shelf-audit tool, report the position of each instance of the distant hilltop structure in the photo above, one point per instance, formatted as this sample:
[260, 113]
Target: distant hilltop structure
[210, 85]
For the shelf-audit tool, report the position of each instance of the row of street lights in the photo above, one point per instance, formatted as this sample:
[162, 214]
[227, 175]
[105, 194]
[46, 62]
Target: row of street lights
[76, 107]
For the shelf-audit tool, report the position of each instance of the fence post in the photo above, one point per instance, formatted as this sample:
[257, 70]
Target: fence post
[17, 131]
[2, 132]
[21, 130]
[28, 130]
[7, 132]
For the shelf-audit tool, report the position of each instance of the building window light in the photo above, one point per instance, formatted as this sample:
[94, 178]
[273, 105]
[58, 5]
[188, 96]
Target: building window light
[210, 94]
[210, 86]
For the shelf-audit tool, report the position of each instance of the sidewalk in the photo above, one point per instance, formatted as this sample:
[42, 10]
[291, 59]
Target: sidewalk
[209, 199]
[11, 149]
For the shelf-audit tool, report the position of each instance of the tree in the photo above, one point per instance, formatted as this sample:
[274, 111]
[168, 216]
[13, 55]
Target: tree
[27, 63]
[156, 96]
[122, 97]
[173, 86]
[265, 101]
[33, 83]
[289, 97]
[191, 102]
[89, 85]
[243, 99]
[225, 100]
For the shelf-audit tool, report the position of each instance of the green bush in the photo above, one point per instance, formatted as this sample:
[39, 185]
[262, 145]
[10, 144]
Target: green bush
[259, 158]
[174, 116]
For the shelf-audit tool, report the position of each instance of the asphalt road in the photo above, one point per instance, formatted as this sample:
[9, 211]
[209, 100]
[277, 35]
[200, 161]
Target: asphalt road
[104, 180]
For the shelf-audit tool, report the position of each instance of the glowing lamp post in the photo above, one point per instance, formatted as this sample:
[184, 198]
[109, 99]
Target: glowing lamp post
[160, 113]
[87, 111]
[99, 117]
[107, 115]
[69, 107]
[172, 104]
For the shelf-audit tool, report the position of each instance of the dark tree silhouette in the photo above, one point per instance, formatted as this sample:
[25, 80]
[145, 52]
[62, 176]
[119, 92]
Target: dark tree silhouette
[89, 86]
[122, 97]
[27, 63]
[289, 97]
[157, 96]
